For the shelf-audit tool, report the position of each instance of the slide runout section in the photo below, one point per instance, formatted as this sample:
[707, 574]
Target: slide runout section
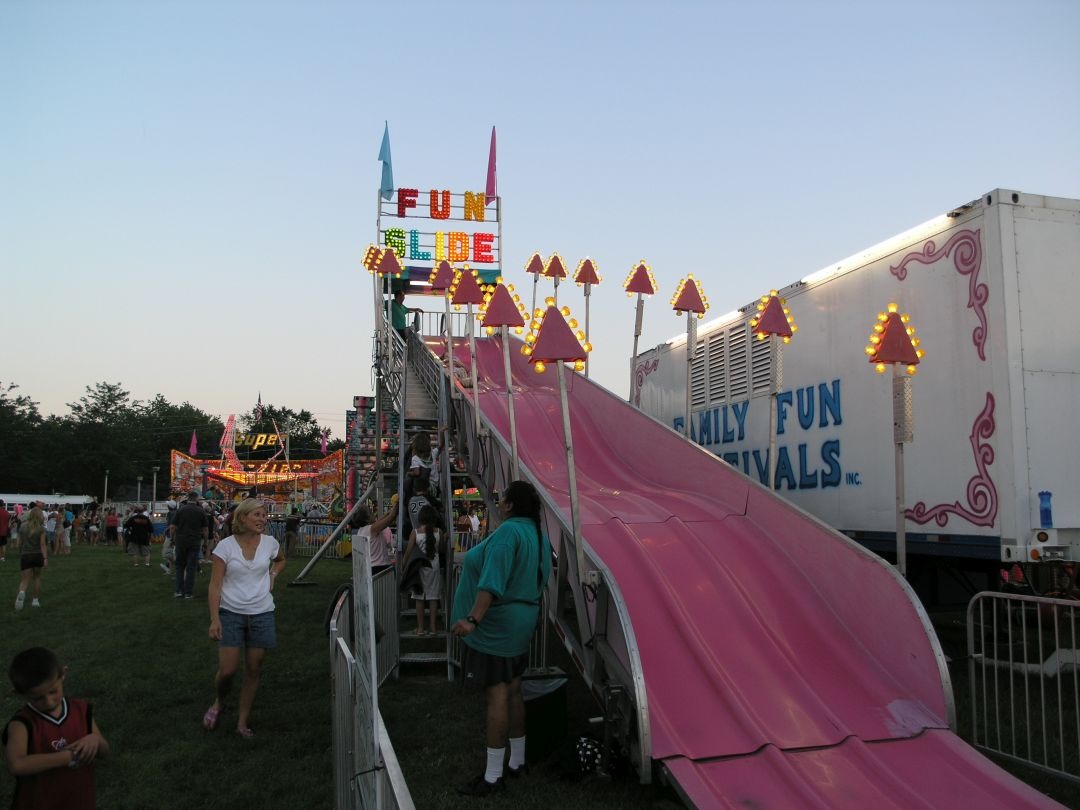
[763, 634]
[759, 665]
[934, 771]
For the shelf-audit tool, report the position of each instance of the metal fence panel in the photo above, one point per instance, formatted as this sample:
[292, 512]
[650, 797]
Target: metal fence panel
[391, 790]
[384, 586]
[1024, 671]
[342, 669]
[310, 536]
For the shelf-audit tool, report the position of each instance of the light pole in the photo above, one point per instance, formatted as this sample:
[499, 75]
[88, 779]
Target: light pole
[555, 269]
[105, 497]
[554, 341]
[466, 290]
[642, 282]
[773, 321]
[441, 279]
[893, 343]
[138, 489]
[688, 298]
[502, 312]
[535, 266]
[587, 277]
[153, 496]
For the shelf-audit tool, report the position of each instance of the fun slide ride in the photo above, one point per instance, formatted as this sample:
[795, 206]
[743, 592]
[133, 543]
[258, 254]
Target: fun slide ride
[781, 664]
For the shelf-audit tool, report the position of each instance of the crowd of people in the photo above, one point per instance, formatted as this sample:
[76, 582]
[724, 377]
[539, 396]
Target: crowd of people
[52, 742]
[495, 609]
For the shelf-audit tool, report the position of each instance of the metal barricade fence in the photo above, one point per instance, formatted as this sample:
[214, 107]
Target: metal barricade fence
[463, 541]
[384, 586]
[392, 789]
[310, 535]
[1024, 669]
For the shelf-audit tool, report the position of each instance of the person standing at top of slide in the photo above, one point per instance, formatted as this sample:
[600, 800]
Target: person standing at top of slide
[399, 314]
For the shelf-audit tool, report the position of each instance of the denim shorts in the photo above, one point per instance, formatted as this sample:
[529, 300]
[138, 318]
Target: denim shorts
[241, 630]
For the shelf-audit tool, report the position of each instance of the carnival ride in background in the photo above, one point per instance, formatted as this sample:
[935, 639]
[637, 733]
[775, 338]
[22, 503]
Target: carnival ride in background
[314, 485]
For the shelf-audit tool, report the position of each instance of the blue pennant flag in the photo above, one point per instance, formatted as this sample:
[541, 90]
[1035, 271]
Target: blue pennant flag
[386, 187]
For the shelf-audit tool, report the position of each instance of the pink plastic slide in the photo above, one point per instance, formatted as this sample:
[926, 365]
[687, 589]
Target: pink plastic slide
[784, 665]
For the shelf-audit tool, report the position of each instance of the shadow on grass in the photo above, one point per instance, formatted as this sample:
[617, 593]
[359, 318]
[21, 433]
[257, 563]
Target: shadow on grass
[437, 729]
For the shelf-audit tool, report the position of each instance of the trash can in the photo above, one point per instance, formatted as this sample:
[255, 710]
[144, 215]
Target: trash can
[545, 715]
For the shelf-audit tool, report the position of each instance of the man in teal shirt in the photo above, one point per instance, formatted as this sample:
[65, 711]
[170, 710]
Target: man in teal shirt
[495, 611]
[399, 314]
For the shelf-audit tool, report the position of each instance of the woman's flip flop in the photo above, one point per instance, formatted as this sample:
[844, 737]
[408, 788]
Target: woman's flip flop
[246, 733]
[210, 719]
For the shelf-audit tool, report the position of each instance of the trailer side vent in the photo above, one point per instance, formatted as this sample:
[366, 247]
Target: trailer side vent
[717, 368]
[738, 362]
[760, 365]
[698, 381]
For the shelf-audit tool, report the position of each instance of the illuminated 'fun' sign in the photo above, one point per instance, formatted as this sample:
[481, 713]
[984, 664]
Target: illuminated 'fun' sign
[439, 224]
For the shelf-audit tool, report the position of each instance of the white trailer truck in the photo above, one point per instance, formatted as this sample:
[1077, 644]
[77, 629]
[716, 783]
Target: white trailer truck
[992, 472]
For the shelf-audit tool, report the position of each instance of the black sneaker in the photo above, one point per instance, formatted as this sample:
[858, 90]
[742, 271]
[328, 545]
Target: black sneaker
[518, 772]
[480, 787]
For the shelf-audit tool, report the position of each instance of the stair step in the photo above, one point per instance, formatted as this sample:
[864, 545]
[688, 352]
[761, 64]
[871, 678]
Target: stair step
[409, 635]
[422, 658]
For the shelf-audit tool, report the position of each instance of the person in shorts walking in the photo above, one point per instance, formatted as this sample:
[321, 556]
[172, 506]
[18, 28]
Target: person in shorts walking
[138, 529]
[34, 555]
[241, 603]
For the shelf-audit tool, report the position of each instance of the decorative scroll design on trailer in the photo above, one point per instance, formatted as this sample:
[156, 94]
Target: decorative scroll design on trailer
[967, 261]
[982, 500]
[642, 371]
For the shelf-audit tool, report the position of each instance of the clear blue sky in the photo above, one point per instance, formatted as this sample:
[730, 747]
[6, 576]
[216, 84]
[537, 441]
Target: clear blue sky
[186, 188]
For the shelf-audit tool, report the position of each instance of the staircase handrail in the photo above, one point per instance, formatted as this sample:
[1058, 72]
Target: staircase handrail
[497, 441]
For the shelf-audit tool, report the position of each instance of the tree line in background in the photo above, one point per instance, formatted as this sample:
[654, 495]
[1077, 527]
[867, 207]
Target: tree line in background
[107, 430]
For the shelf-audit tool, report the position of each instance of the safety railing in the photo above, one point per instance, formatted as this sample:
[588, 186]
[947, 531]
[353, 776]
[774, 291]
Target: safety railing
[384, 587]
[433, 323]
[310, 535]
[463, 541]
[358, 784]
[1024, 669]
[428, 374]
[592, 620]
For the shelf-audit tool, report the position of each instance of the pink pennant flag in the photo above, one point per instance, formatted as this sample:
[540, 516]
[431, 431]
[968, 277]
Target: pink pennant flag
[492, 190]
[193, 450]
[322, 444]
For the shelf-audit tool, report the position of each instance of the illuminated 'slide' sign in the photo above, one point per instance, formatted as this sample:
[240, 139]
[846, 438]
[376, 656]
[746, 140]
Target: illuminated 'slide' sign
[425, 228]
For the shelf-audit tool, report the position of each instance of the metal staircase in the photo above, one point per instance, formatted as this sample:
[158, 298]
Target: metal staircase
[592, 619]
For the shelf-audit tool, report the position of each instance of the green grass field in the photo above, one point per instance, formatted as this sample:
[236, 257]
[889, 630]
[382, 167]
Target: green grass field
[144, 660]
[147, 664]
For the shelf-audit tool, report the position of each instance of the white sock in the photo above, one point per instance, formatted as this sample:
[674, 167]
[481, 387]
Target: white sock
[517, 752]
[494, 764]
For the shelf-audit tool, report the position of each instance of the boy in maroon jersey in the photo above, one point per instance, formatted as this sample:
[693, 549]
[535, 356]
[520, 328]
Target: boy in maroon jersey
[51, 743]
